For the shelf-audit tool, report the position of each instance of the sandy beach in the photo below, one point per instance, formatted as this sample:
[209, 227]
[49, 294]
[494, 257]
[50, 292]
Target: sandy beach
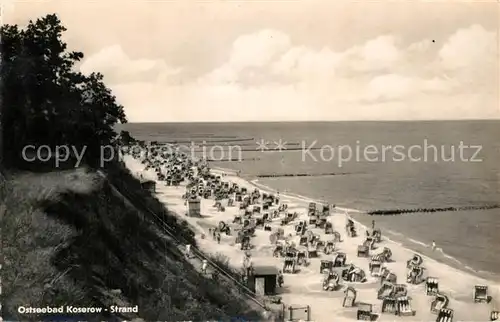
[305, 287]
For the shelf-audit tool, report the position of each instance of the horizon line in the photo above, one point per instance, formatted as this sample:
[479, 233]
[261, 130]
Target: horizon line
[316, 121]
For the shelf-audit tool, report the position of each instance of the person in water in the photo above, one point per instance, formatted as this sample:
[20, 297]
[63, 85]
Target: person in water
[433, 245]
[373, 224]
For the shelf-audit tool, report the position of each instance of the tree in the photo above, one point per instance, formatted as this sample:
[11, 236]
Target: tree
[45, 100]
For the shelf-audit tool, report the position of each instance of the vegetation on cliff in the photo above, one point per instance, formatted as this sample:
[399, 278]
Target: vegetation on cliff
[68, 238]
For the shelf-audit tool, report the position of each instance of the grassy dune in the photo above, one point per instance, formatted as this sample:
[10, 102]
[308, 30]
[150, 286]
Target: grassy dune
[68, 240]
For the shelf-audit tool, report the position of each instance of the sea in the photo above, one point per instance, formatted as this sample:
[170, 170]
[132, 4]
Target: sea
[372, 166]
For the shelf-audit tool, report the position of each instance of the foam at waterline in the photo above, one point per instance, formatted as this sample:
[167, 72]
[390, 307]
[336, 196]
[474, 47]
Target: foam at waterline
[418, 242]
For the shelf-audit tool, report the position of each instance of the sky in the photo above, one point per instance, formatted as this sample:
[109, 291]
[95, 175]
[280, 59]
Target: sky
[286, 60]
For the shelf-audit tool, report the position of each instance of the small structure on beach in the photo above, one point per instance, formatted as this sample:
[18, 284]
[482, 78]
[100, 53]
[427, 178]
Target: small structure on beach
[194, 207]
[263, 280]
[148, 185]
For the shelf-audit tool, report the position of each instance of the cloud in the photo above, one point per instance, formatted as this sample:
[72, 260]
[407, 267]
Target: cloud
[267, 76]
[469, 48]
[117, 67]
[471, 56]
[376, 54]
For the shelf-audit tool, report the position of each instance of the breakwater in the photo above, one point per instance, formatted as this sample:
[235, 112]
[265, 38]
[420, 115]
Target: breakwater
[433, 209]
[282, 175]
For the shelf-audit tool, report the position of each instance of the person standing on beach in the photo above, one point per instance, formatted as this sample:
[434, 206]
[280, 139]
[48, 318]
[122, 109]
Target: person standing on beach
[204, 266]
[218, 238]
[373, 224]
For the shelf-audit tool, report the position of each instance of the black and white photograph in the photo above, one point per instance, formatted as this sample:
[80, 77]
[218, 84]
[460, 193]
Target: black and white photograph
[253, 160]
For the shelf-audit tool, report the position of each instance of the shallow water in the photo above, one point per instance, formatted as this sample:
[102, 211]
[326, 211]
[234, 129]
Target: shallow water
[469, 237]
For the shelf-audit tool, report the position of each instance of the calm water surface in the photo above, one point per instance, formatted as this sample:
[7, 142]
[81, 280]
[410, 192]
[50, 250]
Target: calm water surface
[470, 237]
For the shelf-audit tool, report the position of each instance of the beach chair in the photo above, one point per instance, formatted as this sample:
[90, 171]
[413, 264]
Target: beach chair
[303, 241]
[302, 257]
[375, 267]
[369, 242]
[404, 306]
[329, 247]
[400, 290]
[326, 210]
[259, 222]
[365, 312]
[363, 251]
[331, 282]
[353, 232]
[289, 265]
[328, 228]
[313, 252]
[354, 274]
[416, 260]
[377, 235]
[385, 290]
[245, 243]
[290, 252]
[389, 305]
[320, 245]
[432, 286]
[383, 274]
[387, 254]
[480, 294]
[325, 265]
[440, 302]
[339, 259]
[321, 223]
[349, 297]
[445, 315]
[415, 275]
[494, 315]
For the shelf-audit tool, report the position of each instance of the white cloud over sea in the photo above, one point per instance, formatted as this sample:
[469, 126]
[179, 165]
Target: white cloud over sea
[267, 76]
[269, 73]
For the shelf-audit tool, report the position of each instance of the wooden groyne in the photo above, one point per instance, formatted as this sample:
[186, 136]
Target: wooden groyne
[433, 209]
[279, 175]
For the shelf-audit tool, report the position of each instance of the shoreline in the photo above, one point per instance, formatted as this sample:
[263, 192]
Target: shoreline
[415, 246]
[304, 288]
